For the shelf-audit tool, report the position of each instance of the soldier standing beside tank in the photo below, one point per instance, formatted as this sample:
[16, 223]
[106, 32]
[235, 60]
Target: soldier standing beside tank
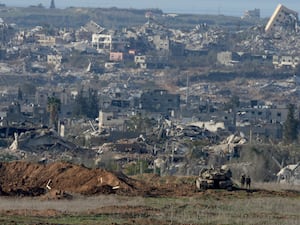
[248, 182]
[243, 180]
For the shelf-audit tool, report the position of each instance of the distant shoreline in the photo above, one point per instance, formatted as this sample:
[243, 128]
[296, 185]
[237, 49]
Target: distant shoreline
[182, 12]
[218, 7]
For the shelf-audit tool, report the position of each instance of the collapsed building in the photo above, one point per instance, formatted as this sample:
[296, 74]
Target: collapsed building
[282, 18]
[252, 14]
[289, 174]
[160, 101]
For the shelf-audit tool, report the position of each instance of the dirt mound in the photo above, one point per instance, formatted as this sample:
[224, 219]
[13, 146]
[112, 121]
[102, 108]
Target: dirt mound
[29, 179]
[61, 180]
[54, 180]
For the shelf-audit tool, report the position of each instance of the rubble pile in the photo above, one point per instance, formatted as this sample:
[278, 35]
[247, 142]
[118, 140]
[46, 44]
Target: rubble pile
[30, 179]
[41, 139]
[45, 145]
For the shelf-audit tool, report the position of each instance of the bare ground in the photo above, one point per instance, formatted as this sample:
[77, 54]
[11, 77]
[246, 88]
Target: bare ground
[81, 195]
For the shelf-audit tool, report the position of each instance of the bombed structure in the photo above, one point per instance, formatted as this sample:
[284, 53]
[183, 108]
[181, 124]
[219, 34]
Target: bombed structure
[282, 18]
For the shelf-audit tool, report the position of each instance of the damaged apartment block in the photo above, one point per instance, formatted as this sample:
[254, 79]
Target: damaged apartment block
[282, 18]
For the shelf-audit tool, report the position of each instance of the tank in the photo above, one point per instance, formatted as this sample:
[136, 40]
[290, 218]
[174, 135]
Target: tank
[214, 179]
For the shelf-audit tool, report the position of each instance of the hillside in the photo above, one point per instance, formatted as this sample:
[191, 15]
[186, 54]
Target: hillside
[111, 18]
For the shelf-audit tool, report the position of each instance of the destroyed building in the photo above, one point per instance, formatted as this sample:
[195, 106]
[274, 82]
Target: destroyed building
[160, 101]
[228, 58]
[7, 32]
[252, 14]
[109, 120]
[282, 18]
[289, 174]
[285, 61]
[127, 110]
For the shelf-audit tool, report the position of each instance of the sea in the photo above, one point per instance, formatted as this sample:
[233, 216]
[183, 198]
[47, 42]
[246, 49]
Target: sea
[214, 7]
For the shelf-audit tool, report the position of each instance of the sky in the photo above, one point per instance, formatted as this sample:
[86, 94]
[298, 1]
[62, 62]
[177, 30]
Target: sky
[226, 7]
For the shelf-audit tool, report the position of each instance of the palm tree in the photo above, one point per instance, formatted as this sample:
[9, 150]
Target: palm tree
[53, 107]
[291, 125]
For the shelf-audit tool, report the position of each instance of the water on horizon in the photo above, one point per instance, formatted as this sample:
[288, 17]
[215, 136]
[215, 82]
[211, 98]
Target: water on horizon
[226, 7]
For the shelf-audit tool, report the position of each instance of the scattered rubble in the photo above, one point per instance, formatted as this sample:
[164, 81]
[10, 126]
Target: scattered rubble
[289, 174]
[40, 139]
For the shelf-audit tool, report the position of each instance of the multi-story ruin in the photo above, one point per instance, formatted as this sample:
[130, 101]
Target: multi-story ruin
[282, 18]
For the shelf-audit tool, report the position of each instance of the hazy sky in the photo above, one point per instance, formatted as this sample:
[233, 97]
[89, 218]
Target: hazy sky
[227, 7]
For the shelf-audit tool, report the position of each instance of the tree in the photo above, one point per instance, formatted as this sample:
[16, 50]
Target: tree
[233, 103]
[53, 107]
[92, 104]
[86, 104]
[52, 4]
[290, 126]
[28, 89]
[297, 70]
[80, 104]
[139, 124]
[20, 94]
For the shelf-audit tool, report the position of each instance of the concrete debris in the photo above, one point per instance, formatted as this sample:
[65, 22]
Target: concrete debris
[40, 139]
[290, 174]
[230, 145]
[48, 184]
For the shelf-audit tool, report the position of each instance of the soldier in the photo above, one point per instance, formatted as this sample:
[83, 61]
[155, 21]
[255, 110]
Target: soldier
[248, 182]
[243, 179]
[229, 173]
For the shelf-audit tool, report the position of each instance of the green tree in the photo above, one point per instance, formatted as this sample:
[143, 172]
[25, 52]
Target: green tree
[233, 103]
[20, 94]
[49, 29]
[92, 109]
[53, 107]
[86, 104]
[297, 70]
[290, 126]
[139, 124]
[80, 104]
[28, 89]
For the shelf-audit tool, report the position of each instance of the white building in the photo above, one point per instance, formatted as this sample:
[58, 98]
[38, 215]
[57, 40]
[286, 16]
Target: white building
[285, 61]
[107, 120]
[102, 41]
[161, 43]
[252, 14]
[141, 60]
[54, 59]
